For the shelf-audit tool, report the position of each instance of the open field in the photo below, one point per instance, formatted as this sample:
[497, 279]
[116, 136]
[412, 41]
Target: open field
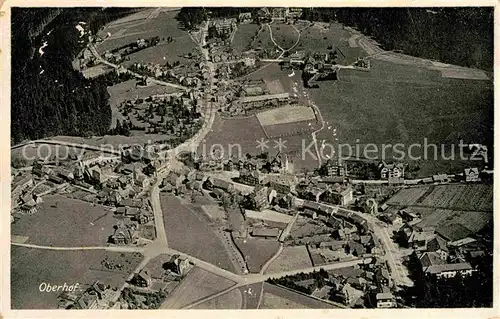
[284, 35]
[408, 196]
[292, 257]
[196, 285]
[257, 251]
[128, 90]
[304, 128]
[243, 37]
[189, 232]
[477, 197]
[274, 86]
[264, 43]
[405, 104]
[164, 25]
[281, 298]
[469, 197]
[31, 267]
[324, 38]
[231, 300]
[251, 295]
[286, 115]
[155, 265]
[243, 132]
[29, 153]
[66, 222]
[473, 221]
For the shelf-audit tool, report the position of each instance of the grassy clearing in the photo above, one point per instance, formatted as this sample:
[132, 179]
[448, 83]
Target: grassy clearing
[189, 232]
[164, 25]
[31, 267]
[128, 90]
[243, 37]
[196, 285]
[66, 222]
[279, 298]
[251, 295]
[230, 300]
[292, 257]
[257, 252]
[394, 104]
[243, 132]
[284, 35]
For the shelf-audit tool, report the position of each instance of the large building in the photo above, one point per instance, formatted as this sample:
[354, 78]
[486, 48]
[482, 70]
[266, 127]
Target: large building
[260, 101]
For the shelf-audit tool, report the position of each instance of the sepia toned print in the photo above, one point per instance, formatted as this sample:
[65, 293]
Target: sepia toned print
[251, 158]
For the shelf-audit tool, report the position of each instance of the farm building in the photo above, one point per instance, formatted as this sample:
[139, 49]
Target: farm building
[260, 101]
[266, 232]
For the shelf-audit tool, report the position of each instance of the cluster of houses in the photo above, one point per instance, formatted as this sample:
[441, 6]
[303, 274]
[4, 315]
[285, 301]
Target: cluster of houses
[97, 296]
[161, 113]
[361, 286]
[156, 279]
[443, 252]
[186, 75]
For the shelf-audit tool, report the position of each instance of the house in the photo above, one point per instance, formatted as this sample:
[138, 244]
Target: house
[335, 168]
[472, 174]
[129, 202]
[385, 300]
[440, 178]
[357, 282]
[216, 183]
[394, 170]
[338, 196]
[311, 193]
[408, 214]
[278, 13]
[355, 248]
[382, 277]
[428, 259]
[260, 198]
[178, 265]
[438, 245]
[142, 279]
[64, 173]
[266, 232]
[418, 239]
[392, 218]
[308, 284]
[221, 27]
[281, 187]
[88, 300]
[449, 270]
[335, 223]
[366, 240]
[310, 213]
[123, 235]
[251, 178]
[245, 17]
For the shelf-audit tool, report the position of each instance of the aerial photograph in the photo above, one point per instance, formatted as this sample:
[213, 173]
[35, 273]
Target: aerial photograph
[251, 158]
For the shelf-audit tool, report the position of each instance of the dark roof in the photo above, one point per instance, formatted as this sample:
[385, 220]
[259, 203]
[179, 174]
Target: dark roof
[436, 269]
[453, 232]
[220, 183]
[436, 244]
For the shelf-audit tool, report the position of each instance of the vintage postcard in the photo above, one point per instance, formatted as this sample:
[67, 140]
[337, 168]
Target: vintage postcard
[329, 159]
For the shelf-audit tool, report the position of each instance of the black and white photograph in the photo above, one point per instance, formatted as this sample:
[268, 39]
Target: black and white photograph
[257, 157]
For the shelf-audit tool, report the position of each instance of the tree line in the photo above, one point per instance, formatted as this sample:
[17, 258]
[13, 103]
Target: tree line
[48, 97]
